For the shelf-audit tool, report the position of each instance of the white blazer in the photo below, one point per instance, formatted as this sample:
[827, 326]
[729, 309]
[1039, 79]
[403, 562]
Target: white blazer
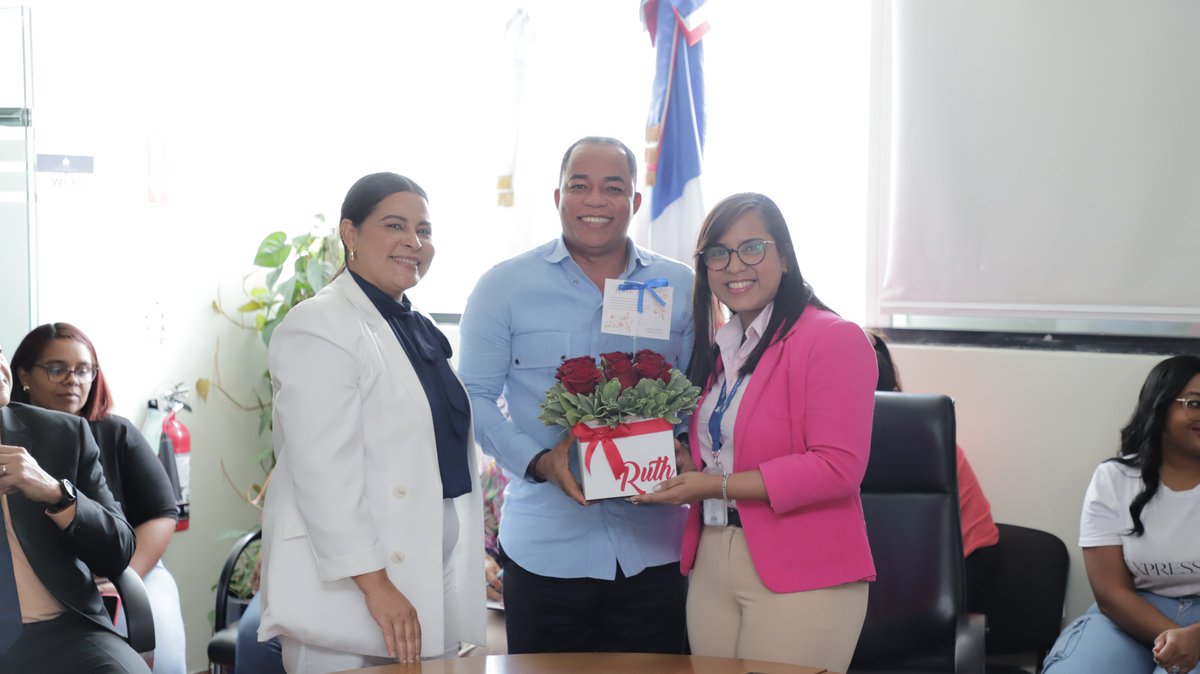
[356, 486]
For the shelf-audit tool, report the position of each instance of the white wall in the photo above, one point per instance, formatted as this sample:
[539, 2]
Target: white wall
[1034, 425]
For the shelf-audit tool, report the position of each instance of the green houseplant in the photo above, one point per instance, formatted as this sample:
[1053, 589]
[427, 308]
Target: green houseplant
[314, 258]
[295, 270]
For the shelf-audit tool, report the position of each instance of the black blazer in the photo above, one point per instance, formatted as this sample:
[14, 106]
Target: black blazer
[98, 541]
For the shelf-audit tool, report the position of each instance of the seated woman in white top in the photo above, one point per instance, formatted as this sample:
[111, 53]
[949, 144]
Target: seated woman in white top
[1140, 534]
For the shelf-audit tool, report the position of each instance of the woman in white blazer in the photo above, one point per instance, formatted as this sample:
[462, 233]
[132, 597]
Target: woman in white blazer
[372, 528]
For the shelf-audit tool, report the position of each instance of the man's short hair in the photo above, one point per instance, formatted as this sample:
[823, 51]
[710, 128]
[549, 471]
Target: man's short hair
[599, 140]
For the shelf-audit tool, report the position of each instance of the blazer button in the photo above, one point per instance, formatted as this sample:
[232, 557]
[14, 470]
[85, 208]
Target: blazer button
[397, 557]
[399, 492]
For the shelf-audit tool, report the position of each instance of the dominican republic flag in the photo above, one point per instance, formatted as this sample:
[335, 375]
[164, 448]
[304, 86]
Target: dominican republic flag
[675, 128]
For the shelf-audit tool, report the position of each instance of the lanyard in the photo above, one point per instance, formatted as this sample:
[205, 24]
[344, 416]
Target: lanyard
[714, 421]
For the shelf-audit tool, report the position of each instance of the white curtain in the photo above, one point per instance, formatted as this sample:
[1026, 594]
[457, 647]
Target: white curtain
[1044, 160]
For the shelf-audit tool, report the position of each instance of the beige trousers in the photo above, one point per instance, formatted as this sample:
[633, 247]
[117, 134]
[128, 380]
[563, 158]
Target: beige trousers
[730, 613]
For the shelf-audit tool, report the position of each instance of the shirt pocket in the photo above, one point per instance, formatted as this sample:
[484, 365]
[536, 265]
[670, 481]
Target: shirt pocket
[538, 350]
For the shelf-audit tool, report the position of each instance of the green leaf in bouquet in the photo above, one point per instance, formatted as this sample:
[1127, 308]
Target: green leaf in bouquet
[627, 405]
[572, 417]
[552, 418]
[610, 391]
[678, 381]
[586, 404]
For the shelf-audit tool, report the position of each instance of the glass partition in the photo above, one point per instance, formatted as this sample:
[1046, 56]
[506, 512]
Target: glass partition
[18, 294]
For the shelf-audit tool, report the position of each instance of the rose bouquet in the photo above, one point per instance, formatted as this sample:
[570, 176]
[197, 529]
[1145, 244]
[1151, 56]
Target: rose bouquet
[620, 387]
[625, 406]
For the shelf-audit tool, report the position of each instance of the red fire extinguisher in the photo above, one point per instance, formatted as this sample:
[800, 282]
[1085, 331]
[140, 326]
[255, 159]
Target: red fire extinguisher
[174, 451]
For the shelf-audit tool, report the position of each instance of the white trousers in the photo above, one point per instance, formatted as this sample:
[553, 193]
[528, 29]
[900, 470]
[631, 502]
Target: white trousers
[170, 645]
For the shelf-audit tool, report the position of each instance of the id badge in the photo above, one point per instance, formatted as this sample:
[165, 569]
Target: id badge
[715, 513]
[714, 510]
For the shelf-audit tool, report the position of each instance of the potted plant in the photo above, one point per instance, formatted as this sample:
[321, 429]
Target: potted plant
[314, 259]
[295, 270]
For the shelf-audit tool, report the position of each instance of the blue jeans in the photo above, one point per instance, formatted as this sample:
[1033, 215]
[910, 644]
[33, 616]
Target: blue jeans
[1093, 644]
[254, 656]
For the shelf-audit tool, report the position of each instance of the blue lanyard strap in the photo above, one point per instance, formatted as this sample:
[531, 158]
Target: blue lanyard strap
[714, 421]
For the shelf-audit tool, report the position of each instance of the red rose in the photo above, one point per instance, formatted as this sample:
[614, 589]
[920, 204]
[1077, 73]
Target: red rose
[619, 365]
[652, 365]
[579, 375]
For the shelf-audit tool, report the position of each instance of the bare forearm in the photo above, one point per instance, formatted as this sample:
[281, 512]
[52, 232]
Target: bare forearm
[152, 538]
[1135, 615]
[1116, 595]
[747, 485]
[373, 580]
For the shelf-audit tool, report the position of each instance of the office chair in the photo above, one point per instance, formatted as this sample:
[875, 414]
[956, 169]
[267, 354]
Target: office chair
[139, 618]
[1024, 598]
[222, 647]
[916, 616]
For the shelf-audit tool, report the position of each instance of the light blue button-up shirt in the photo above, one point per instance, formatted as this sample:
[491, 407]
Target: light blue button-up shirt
[525, 316]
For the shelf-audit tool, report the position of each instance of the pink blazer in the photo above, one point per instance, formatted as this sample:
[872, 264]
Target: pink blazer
[805, 423]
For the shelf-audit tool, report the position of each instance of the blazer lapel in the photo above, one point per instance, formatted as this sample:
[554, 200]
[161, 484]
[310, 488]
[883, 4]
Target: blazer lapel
[12, 429]
[395, 360]
[755, 390]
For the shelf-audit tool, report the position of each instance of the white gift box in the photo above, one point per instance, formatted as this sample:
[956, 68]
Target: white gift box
[626, 461]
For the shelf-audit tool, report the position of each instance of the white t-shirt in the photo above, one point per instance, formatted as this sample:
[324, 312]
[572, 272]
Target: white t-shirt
[1165, 559]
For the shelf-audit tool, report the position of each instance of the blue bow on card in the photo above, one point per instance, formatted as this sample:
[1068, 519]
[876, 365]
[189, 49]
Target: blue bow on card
[643, 287]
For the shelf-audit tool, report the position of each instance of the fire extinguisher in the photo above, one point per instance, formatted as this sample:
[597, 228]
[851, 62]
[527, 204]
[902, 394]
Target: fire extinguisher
[164, 429]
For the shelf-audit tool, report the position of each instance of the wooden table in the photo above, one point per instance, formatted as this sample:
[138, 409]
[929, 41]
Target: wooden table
[592, 663]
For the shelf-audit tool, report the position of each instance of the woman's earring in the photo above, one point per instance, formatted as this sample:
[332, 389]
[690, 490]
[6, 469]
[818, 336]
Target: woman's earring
[25, 388]
[353, 257]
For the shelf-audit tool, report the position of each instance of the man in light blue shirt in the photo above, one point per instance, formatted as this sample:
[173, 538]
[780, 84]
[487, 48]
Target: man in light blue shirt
[578, 576]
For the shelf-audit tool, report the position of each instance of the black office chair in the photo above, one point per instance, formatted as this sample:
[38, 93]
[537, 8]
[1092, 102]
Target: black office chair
[1025, 596]
[139, 618]
[222, 647]
[916, 615]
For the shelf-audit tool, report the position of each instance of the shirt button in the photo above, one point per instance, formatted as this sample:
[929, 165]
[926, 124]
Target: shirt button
[399, 492]
[397, 557]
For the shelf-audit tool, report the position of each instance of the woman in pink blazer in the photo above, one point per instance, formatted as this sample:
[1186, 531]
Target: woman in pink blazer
[775, 540]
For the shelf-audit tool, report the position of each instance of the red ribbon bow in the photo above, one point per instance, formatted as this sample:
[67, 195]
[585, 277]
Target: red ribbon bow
[603, 435]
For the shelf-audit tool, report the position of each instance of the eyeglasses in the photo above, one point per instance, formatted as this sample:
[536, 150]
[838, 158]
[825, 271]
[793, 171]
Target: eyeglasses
[1191, 407]
[58, 373]
[750, 252]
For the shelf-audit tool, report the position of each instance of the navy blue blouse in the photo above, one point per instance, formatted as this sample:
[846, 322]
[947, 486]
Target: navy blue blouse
[429, 351]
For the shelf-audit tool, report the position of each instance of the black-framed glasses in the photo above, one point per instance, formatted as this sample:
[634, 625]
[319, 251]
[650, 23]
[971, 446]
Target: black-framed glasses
[57, 373]
[1191, 407]
[751, 251]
